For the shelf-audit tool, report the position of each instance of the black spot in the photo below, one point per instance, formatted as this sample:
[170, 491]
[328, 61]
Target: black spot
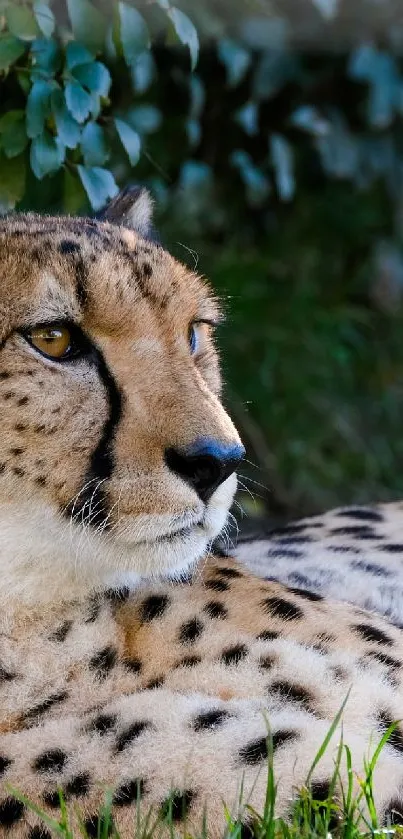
[385, 659]
[177, 805]
[129, 792]
[23, 401]
[254, 752]
[131, 733]
[50, 761]
[38, 710]
[103, 661]
[308, 595]
[385, 720]
[117, 596]
[369, 567]
[292, 693]
[267, 635]
[4, 375]
[19, 472]
[231, 573]
[67, 246]
[5, 675]
[189, 661]
[5, 762]
[11, 811]
[157, 682]
[287, 553]
[266, 662]
[41, 481]
[281, 737]
[391, 548]
[344, 549]
[372, 634]
[246, 830]
[393, 814]
[103, 723]
[39, 832]
[321, 793]
[294, 539]
[60, 634]
[52, 799]
[361, 514]
[153, 606]
[16, 451]
[209, 719]
[232, 655]
[356, 530]
[215, 609]
[190, 631]
[147, 270]
[98, 826]
[217, 585]
[94, 608]
[287, 529]
[280, 608]
[79, 785]
[133, 664]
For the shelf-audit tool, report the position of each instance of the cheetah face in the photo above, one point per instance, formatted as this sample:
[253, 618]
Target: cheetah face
[117, 457]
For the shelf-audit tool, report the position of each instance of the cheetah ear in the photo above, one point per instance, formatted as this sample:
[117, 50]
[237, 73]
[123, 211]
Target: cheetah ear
[132, 208]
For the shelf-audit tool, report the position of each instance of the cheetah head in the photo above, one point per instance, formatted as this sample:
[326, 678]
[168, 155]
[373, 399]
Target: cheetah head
[117, 457]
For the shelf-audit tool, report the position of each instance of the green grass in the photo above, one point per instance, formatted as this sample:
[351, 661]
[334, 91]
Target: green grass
[343, 813]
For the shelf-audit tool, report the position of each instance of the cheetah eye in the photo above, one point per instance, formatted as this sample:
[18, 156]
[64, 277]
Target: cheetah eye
[199, 330]
[58, 341]
[193, 338]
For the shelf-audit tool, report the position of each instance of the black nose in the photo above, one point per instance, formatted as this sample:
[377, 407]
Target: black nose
[205, 464]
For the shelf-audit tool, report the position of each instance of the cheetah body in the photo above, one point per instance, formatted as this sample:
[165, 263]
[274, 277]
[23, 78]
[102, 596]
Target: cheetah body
[130, 659]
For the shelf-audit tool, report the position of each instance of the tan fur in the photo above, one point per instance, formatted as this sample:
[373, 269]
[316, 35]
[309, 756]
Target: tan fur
[164, 684]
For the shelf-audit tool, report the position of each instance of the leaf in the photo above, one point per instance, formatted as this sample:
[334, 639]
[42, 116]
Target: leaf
[235, 58]
[67, 127]
[134, 34]
[12, 182]
[21, 22]
[78, 101]
[44, 18]
[327, 8]
[142, 71]
[283, 161]
[93, 145]
[99, 185]
[13, 133]
[46, 55]
[38, 106]
[94, 76]
[130, 140]
[88, 23]
[47, 155]
[77, 54]
[248, 118]
[11, 50]
[186, 32]
[144, 118]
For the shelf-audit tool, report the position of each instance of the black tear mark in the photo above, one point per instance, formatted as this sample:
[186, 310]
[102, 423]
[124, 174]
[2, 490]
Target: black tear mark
[91, 504]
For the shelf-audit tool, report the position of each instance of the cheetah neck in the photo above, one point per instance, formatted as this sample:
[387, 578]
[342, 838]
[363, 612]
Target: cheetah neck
[43, 561]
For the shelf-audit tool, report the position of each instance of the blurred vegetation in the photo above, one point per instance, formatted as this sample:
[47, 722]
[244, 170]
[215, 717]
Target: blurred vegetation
[271, 136]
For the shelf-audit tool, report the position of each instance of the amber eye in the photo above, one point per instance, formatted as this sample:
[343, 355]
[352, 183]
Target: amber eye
[53, 340]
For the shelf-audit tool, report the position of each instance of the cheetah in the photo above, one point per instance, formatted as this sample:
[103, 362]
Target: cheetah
[134, 658]
[350, 553]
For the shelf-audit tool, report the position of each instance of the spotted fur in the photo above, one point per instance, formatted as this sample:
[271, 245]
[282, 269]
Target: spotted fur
[351, 553]
[118, 670]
